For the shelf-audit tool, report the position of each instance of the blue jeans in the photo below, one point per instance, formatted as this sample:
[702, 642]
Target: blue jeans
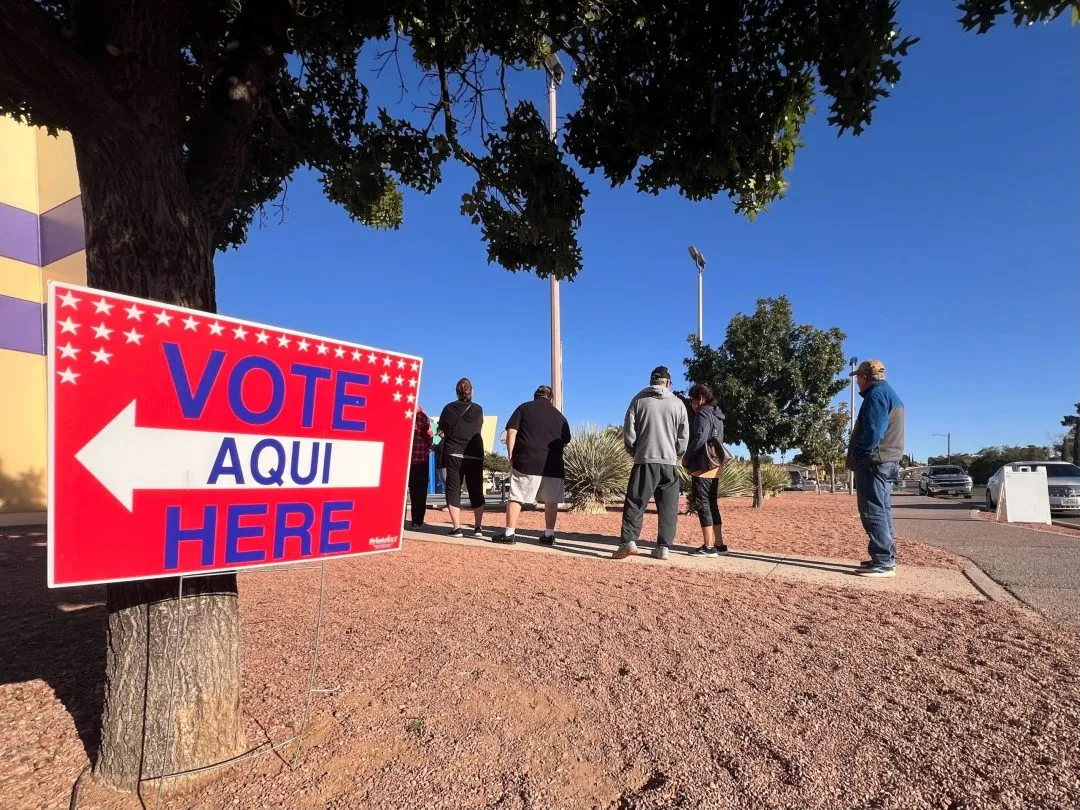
[873, 489]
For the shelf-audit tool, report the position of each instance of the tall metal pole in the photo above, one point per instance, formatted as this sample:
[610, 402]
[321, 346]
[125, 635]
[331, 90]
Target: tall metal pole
[700, 308]
[948, 446]
[556, 325]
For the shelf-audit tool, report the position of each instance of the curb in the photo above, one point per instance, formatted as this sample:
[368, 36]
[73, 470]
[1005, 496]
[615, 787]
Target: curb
[989, 588]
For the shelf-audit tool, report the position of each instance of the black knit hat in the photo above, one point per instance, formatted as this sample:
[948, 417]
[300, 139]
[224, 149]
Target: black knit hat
[659, 374]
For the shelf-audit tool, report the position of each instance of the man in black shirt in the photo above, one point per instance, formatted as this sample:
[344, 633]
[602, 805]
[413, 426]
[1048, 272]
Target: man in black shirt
[535, 437]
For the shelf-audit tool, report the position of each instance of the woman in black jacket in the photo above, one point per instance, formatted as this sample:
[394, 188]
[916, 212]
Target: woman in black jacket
[460, 426]
[706, 423]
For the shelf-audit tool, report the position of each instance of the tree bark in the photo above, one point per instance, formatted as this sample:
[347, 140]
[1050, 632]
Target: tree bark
[146, 237]
[759, 496]
[832, 478]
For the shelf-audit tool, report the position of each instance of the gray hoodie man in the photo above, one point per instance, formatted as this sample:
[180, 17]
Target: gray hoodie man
[656, 431]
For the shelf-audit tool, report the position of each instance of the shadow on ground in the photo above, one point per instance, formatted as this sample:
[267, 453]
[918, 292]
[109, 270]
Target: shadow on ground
[56, 635]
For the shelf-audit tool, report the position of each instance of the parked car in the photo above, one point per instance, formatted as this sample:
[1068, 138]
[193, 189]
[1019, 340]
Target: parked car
[800, 482]
[946, 479]
[1062, 484]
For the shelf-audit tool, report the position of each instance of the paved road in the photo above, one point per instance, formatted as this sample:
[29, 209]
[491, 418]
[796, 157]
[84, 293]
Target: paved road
[1041, 568]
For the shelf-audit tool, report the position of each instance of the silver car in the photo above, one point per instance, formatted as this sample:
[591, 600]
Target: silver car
[945, 479]
[1062, 483]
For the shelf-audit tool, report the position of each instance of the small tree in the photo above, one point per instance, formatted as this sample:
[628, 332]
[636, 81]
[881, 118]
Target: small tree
[826, 439]
[770, 375]
[496, 463]
[1071, 450]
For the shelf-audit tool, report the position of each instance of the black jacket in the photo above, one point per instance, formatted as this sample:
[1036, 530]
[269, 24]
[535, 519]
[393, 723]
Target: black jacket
[460, 423]
[702, 424]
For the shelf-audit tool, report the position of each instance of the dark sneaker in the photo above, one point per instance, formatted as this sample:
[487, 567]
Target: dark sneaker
[660, 553]
[879, 571]
[457, 532]
[625, 550]
[504, 539]
[547, 540]
[867, 564]
[721, 549]
[478, 533]
[703, 551]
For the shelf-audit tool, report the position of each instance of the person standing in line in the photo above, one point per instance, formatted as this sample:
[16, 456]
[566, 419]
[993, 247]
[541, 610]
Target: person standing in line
[535, 437]
[655, 432]
[440, 465]
[706, 428]
[874, 453]
[460, 426]
[419, 477]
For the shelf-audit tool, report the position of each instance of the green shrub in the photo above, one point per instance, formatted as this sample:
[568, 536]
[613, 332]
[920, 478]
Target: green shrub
[597, 468]
[773, 479]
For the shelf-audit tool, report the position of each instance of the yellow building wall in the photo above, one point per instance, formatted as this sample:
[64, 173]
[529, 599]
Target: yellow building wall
[18, 166]
[20, 279]
[23, 481]
[57, 178]
[71, 269]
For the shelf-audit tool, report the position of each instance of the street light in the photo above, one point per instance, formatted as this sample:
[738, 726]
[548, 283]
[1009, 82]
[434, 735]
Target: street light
[948, 446]
[699, 261]
[554, 69]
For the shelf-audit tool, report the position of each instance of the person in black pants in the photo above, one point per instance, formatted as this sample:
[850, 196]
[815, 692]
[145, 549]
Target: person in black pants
[419, 477]
[463, 453]
[706, 425]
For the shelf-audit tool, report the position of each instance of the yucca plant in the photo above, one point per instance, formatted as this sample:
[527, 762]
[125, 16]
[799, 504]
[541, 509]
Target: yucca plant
[773, 479]
[597, 468]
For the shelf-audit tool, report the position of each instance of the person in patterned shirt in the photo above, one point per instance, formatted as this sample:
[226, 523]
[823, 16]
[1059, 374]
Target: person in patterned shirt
[418, 467]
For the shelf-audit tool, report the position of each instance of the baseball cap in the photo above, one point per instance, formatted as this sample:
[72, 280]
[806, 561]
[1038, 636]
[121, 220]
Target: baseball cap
[659, 373]
[872, 369]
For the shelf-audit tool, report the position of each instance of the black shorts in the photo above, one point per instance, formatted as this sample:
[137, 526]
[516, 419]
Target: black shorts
[469, 470]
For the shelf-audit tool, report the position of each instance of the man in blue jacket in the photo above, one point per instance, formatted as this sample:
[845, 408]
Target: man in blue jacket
[874, 453]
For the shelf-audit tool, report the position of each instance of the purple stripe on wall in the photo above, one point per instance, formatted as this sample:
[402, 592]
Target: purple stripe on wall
[19, 235]
[22, 325]
[62, 231]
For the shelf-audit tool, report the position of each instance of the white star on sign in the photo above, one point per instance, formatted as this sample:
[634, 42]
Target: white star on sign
[69, 300]
[386, 360]
[240, 332]
[67, 350]
[371, 358]
[101, 356]
[191, 324]
[321, 348]
[408, 414]
[102, 331]
[356, 354]
[414, 367]
[283, 341]
[398, 380]
[262, 337]
[412, 383]
[400, 363]
[68, 376]
[385, 378]
[133, 337]
[216, 329]
[163, 318]
[102, 307]
[68, 325]
[302, 345]
[339, 352]
[397, 396]
[134, 313]
[410, 399]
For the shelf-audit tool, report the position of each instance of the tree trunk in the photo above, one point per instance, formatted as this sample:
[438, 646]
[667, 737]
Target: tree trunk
[832, 478]
[759, 495]
[146, 237]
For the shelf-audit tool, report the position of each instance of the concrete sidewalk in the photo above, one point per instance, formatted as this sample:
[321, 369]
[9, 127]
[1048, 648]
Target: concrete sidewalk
[935, 583]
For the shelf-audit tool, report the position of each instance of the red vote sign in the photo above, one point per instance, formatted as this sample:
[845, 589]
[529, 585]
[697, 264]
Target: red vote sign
[186, 443]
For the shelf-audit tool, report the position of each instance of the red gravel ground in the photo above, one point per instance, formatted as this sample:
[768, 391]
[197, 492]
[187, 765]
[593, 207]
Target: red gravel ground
[802, 523]
[472, 677]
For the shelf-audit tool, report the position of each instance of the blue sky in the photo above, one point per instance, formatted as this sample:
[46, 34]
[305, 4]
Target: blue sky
[944, 241]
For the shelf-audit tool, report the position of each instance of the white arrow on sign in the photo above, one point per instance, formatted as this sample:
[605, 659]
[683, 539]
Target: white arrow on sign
[124, 458]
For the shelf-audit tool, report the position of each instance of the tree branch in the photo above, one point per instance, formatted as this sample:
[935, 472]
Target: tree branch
[43, 79]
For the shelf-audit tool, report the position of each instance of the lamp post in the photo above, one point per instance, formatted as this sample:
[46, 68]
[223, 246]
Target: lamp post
[554, 69]
[699, 262]
[948, 446]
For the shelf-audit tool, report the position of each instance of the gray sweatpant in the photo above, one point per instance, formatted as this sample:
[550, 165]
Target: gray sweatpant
[659, 482]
